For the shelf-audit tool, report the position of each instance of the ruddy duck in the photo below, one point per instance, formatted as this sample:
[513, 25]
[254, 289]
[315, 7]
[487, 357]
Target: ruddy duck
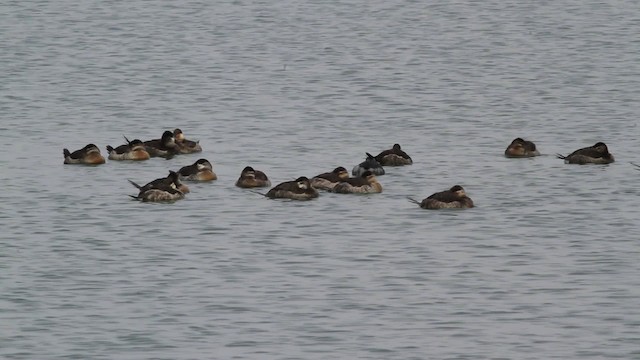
[186, 146]
[134, 150]
[327, 181]
[88, 155]
[454, 198]
[370, 164]
[250, 178]
[520, 148]
[164, 147]
[201, 170]
[394, 157]
[299, 189]
[365, 184]
[163, 183]
[160, 193]
[596, 154]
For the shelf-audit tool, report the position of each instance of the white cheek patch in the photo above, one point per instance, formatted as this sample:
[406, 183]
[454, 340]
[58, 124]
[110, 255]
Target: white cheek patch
[302, 185]
[201, 166]
[173, 186]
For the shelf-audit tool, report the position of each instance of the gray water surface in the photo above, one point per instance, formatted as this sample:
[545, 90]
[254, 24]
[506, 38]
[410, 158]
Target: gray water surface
[545, 267]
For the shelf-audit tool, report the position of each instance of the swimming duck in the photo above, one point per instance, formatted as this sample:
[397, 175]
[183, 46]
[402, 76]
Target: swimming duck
[164, 147]
[163, 183]
[394, 157]
[88, 155]
[201, 170]
[364, 184]
[186, 146]
[326, 181]
[160, 194]
[134, 150]
[370, 164]
[299, 189]
[596, 154]
[520, 148]
[250, 178]
[454, 198]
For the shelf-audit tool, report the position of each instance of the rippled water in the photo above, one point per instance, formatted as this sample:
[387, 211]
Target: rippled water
[545, 267]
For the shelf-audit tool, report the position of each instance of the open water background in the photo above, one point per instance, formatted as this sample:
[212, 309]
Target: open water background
[545, 267]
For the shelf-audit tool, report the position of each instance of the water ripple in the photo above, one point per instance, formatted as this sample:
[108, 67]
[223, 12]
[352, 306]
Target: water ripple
[544, 267]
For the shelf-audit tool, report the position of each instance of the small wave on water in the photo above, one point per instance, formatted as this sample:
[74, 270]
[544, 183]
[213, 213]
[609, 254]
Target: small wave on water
[543, 267]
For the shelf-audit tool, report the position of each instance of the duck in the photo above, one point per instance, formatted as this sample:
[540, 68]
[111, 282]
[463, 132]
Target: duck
[201, 170]
[172, 179]
[161, 193]
[394, 157]
[370, 164]
[596, 154]
[134, 150]
[454, 198]
[327, 181]
[185, 146]
[299, 189]
[88, 155]
[520, 148]
[367, 183]
[164, 147]
[250, 178]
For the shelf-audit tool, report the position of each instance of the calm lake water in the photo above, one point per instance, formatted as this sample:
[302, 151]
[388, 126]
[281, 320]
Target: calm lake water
[545, 267]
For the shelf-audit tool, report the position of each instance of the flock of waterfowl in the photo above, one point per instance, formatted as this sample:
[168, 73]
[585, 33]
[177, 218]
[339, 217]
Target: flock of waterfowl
[364, 180]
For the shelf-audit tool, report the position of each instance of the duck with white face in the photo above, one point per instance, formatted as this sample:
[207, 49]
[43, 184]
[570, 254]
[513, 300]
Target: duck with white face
[160, 193]
[370, 164]
[184, 145]
[596, 154]
[171, 181]
[299, 189]
[328, 180]
[520, 148]
[394, 157]
[201, 170]
[454, 198]
[134, 150]
[88, 155]
[251, 178]
[367, 183]
[161, 190]
[164, 147]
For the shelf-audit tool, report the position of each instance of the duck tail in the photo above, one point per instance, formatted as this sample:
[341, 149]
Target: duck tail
[560, 156]
[109, 148]
[258, 192]
[412, 200]
[66, 152]
[134, 184]
[369, 155]
[127, 140]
